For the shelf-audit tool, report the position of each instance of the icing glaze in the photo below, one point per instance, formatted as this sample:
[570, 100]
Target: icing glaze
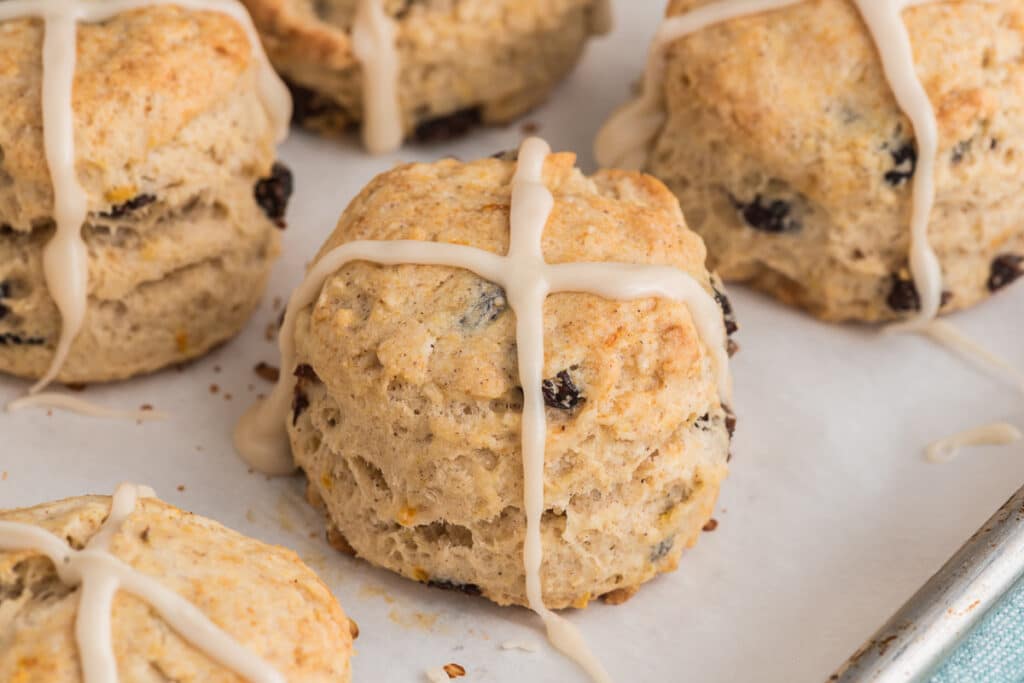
[261, 436]
[65, 256]
[86, 408]
[374, 35]
[996, 434]
[99, 575]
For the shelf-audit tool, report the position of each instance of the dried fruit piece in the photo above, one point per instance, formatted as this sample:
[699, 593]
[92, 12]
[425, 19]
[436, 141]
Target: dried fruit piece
[449, 126]
[904, 160]
[772, 216]
[299, 404]
[454, 670]
[561, 392]
[267, 372]
[123, 209]
[903, 296]
[659, 551]
[12, 339]
[728, 315]
[1005, 269]
[488, 307]
[960, 150]
[273, 192]
[467, 588]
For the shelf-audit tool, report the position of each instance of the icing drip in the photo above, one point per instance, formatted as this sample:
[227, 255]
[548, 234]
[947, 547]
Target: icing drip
[77, 405]
[99, 574]
[998, 434]
[374, 44]
[261, 436]
[65, 257]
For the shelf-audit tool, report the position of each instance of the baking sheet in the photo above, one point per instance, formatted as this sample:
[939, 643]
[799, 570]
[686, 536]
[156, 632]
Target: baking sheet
[829, 520]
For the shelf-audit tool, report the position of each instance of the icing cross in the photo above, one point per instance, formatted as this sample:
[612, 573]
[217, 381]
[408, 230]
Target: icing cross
[261, 436]
[65, 256]
[99, 574]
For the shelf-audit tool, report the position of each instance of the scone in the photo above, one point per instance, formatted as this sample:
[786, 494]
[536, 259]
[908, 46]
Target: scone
[408, 409]
[166, 594]
[174, 150]
[788, 151]
[428, 70]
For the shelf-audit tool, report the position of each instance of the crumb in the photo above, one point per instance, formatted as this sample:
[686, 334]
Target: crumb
[214, 388]
[522, 645]
[454, 670]
[260, 397]
[216, 368]
[199, 449]
[437, 675]
[146, 407]
[267, 371]
[530, 128]
[181, 488]
[353, 628]
[271, 332]
[76, 386]
[228, 397]
[3, 476]
[49, 413]
[277, 303]
[711, 525]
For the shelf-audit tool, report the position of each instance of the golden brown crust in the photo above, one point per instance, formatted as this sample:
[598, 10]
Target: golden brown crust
[408, 425]
[261, 595]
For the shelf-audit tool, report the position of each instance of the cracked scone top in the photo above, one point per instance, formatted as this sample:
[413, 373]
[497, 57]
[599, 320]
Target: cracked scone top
[427, 69]
[174, 150]
[407, 415]
[801, 176]
[269, 618]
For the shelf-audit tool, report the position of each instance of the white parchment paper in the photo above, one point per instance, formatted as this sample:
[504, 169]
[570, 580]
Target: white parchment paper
[829, 520]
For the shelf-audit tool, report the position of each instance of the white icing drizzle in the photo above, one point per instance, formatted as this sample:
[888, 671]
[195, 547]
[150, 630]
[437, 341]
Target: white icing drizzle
[521, 645]
[374, 35]
[996, 434]
[65, 257]
[99, 574]
[949, 336]
[82, 407]
[261, 436]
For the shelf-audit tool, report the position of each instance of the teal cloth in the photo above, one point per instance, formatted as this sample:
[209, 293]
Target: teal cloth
[994, 651]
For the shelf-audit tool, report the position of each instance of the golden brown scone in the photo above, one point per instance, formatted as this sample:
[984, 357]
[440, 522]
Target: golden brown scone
[462, 63]
[175, 152]
[790, 156]
[407, 415]
[260, 595]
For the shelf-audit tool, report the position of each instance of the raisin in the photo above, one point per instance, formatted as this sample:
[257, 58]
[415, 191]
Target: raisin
[772, 216]
[561, 392]
[299, 404]
[728, 315]
[960, 150]
[125, 208]
[506, 155]
[659, 551]
[730, 421]
[1005, 269]
[5, 292]
[903, 295]
[904, 159]
[449, 126]
[12, 339]
[467, 588]
[273, 192]
[486, 309]
[308, 104]
[4, 311]
[304, 371]
[704, 422]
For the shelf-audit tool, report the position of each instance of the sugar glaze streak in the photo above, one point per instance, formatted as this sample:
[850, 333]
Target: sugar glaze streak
[65, 256]
[99, 575]
[261, 436]
[374, 36]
